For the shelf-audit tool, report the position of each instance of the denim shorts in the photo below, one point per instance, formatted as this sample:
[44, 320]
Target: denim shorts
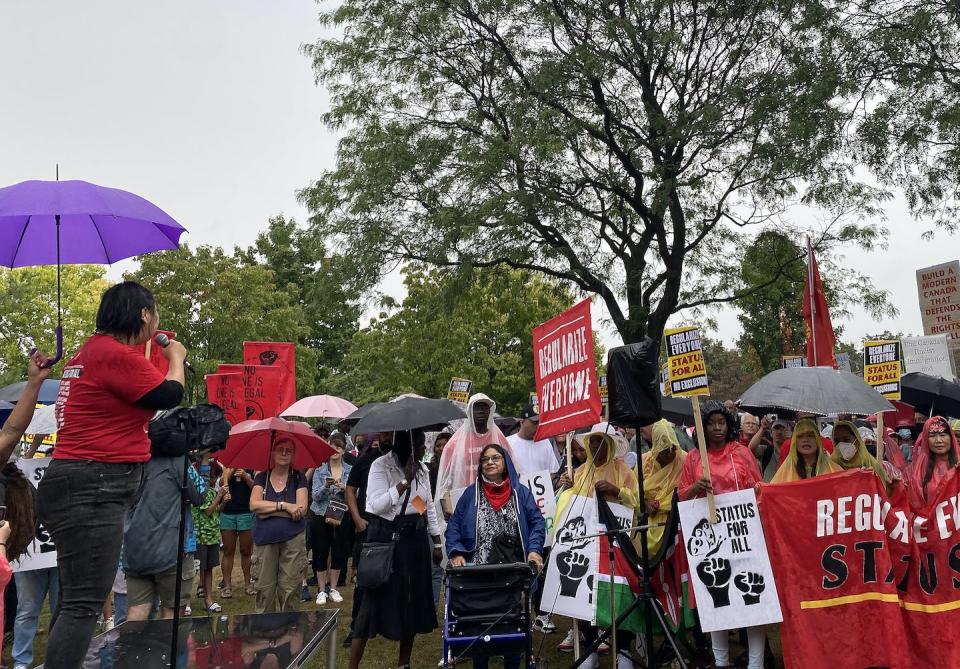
[236, 522]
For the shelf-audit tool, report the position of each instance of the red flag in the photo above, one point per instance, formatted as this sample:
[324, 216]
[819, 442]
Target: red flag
[154, 353]
[226, 391]
[816, 317]
[566, 372]
[276, 354]
[261, 389]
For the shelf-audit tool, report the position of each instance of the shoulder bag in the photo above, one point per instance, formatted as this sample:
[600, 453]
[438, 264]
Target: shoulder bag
[376, 557]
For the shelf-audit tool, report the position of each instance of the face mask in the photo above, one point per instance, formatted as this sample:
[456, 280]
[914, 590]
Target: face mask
[847, 450]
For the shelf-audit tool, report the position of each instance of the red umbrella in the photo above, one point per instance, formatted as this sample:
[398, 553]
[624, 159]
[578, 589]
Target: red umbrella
[251, 442]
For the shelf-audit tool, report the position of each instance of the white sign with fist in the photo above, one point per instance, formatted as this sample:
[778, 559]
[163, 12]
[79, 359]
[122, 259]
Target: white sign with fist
[729, 567]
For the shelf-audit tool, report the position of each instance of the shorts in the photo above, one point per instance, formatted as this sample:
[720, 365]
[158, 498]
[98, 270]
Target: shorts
[236, 522]
[209, 557]
[144, 589]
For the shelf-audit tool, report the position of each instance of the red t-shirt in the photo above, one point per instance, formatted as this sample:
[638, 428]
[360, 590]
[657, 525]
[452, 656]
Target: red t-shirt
[96, 415]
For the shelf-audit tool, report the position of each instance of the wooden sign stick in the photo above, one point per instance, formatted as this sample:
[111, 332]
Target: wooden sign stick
[702, 444]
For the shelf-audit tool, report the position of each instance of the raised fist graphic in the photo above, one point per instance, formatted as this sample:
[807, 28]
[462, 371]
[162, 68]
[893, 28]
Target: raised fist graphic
[751, 585]
[715, 574]
[572, 567]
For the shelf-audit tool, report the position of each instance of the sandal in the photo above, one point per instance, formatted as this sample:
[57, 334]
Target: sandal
[214, 608]
[226, 593]
[251, 590]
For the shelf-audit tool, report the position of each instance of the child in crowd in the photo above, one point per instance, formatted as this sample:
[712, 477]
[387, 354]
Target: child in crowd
[206, 519]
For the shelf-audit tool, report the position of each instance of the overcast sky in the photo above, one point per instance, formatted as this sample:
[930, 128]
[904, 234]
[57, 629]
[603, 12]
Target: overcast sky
[209, 110]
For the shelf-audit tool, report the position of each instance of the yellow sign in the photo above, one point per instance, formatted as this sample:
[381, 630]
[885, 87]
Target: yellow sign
[882, 366]
[685, 364]
[459, 390]
[665, 380]
[602, 381]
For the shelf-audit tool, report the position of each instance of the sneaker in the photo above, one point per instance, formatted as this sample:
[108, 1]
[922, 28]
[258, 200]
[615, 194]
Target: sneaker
[312, 581]
[20, 666]
[201, 593]
[592, 662]
[624, 661]
[604, 649]
[335, 596]
[305, 595]
[187, 611]
[543, 624]
[566, 646]
[322, 598]
[108, 625]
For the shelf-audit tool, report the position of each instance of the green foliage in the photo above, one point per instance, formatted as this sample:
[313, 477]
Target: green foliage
[630, 148]
[730, 370]
[28, 312]
[215, 302]
[773, 275]
[475, 324]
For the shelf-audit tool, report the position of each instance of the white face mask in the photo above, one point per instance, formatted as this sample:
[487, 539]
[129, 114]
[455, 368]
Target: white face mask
[847, 450]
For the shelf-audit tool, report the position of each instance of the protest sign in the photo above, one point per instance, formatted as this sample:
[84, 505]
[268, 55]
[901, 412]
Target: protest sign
[665, 381]
[927, 355]
[154, 352]
[459, 391]
[730, 570]
[827, 543]
[226, 391]
[535, 403]
[261, 389]
[939, 291]
[541, 487]
[685, 364]
[788, 361]
[566, 372]
[882, 366]
[574, 559]
[282, 355]
[602, 386]
[42, 554]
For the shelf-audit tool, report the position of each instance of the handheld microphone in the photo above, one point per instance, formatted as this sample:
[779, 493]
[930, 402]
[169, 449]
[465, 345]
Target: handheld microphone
[163, 341]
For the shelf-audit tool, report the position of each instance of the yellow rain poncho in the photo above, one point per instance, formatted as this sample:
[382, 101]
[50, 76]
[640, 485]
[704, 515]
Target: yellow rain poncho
[861, 458]
[587, 475]
[659, 483]
[788, 470]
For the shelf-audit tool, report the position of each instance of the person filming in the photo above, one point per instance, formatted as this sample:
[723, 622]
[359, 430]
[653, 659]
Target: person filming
[108, 394]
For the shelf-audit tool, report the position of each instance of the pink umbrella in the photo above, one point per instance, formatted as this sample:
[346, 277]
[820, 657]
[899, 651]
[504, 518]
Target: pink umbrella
[251, 442]
[320, 406]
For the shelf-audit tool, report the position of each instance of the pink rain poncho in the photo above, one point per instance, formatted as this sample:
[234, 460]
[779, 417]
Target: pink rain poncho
[461, 455]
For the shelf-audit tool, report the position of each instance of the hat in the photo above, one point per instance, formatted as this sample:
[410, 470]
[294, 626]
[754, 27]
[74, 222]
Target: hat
[781, 423]
[529, 413]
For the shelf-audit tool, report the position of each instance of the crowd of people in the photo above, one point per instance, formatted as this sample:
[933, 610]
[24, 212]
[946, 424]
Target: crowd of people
[110, 499]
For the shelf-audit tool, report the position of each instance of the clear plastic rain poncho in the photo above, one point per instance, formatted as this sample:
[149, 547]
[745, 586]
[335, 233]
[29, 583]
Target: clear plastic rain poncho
[461, 455]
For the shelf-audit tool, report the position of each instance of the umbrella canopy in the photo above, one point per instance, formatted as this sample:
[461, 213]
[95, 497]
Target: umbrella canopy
[44, 421]
[821, 391]
[98, 225]
[677, 410]
[48, 391]
[932, 395]
[320, 406]
[4, 405]
[409, 413]
[363, 411]
[251, 442]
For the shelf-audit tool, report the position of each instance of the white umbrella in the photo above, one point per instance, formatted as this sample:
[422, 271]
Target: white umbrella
[44, 421]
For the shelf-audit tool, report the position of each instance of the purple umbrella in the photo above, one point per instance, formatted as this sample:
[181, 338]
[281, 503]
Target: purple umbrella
[76, 222]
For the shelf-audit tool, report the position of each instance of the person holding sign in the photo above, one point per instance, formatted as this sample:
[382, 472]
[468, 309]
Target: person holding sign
[496, 521]
[807, 457]
[662, 466]
[934, 455]
[732, 467]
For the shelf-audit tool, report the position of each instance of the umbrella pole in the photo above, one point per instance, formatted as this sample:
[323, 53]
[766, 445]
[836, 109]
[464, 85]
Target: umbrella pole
[59, 354]
[880, 437]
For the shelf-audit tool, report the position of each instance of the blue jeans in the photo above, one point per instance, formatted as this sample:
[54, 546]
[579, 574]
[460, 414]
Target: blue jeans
[32, 588]
[119, 608]
[82, 505]
[437, 581]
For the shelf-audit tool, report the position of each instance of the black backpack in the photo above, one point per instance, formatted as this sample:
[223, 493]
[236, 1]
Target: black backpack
[188, 429]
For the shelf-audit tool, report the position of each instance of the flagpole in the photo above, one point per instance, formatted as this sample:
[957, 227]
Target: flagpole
[813, 302]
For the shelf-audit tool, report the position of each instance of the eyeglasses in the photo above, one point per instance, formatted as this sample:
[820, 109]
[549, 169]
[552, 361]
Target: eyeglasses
[491, 458]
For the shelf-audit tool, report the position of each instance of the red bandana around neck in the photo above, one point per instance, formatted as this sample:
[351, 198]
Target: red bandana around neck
[498, 494]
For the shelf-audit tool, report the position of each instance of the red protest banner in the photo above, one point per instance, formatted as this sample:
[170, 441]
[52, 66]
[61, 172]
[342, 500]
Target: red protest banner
[261, 389]
[282, 355]
[827, 539]
[566, 372]
[154, 353]
[226, 391]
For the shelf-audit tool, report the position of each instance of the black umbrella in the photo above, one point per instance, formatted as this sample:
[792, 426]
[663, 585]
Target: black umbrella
[48, 391]
[365, 410]
[821, 391]
[677, 410]
[409, 413]
[931, 395]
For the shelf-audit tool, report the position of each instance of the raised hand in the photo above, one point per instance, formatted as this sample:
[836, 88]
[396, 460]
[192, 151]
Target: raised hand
[573, 567]
[750, 584]
[715, 573]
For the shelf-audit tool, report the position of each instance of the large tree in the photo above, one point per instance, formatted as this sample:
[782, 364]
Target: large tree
[476, 326]
[630, 147]
[28, 312]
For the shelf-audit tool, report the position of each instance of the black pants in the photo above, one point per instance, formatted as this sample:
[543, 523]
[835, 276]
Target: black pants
[327, 541]
[82, 505]
[357, 592]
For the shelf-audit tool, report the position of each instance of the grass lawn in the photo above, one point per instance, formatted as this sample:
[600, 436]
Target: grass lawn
[380, 654]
